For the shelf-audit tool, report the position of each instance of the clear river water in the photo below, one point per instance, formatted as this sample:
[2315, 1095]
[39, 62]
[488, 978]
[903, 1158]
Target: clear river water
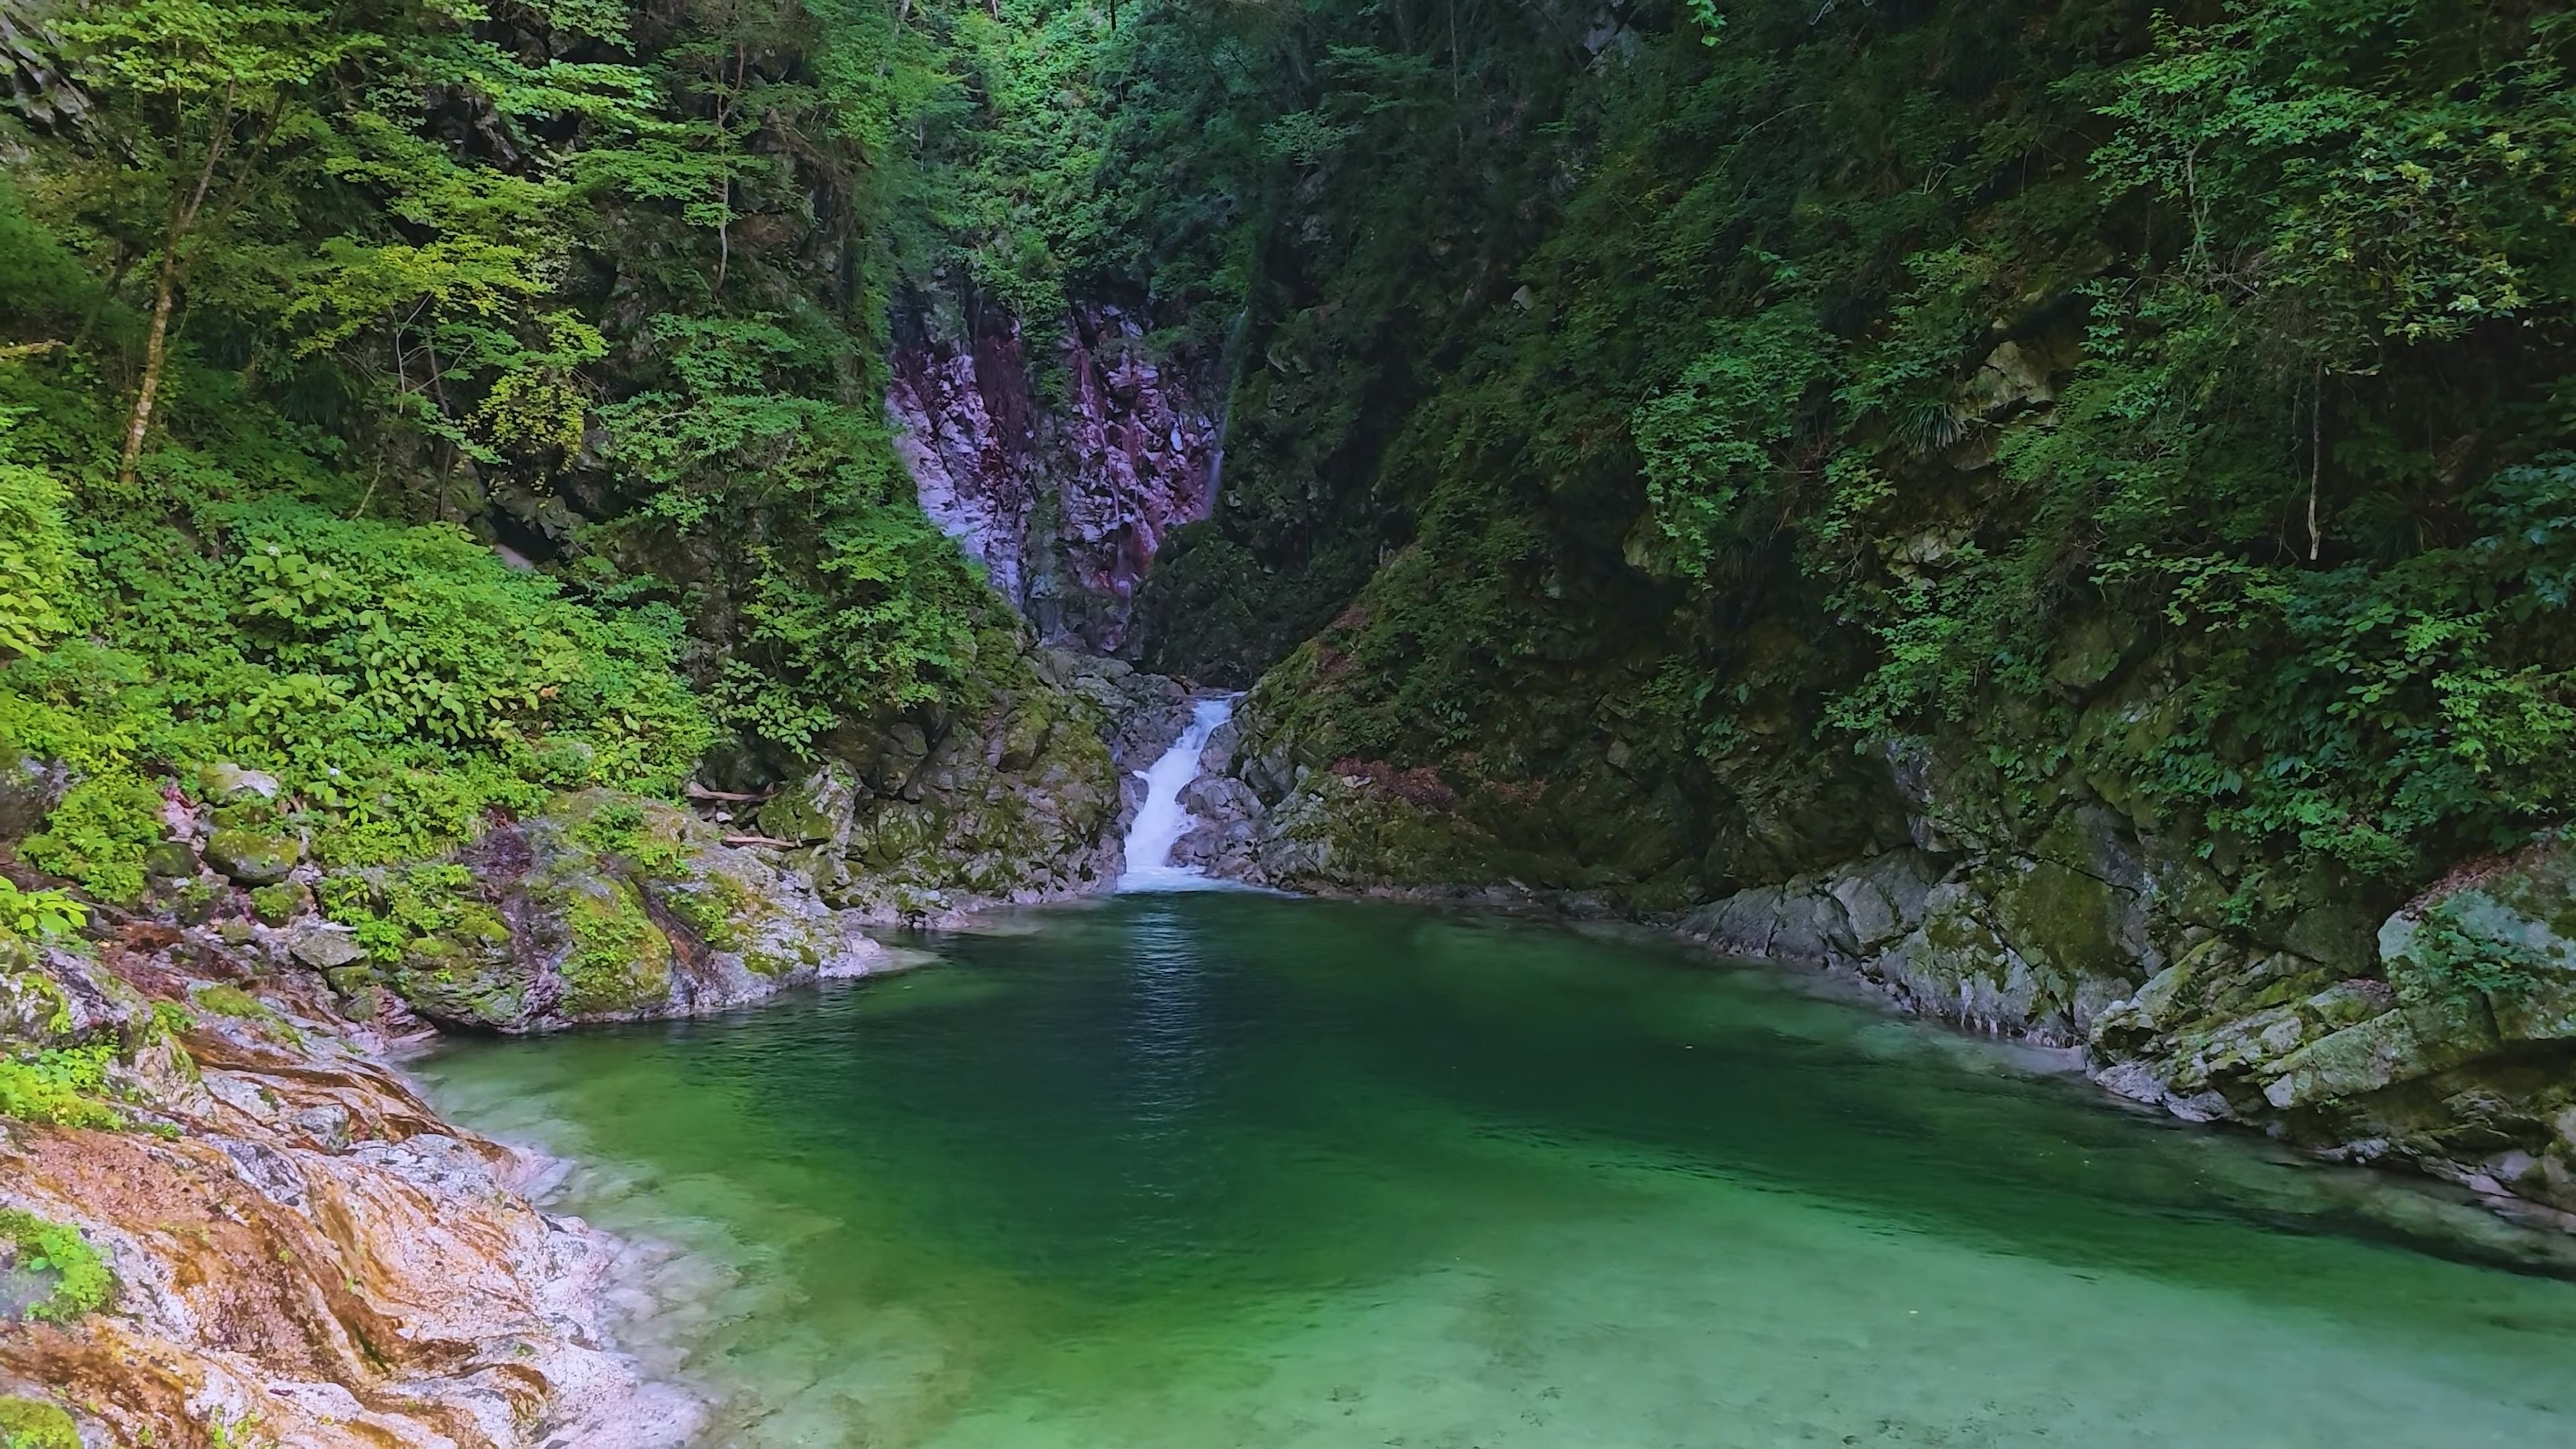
[1192, 1171]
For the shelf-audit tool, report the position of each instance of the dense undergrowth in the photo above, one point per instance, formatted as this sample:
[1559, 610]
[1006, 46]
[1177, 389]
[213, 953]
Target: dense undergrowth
[433, 409]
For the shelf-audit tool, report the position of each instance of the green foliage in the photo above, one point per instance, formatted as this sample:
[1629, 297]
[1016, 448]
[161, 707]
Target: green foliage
[98, 834]
[170, 1019]
[388, 910]
[36, 560]
[1709, 442]
[226, 1000]
[29, 915]
[623, 827]
[2401, 168]
[377, 320]
[224, 1431]
[891, 624]
[60, 1087]
[2179, 404]
[2448, 964]
[398, 678]
[1067, 158]
[2364, 189]
[2172, 411]
[35, 1424]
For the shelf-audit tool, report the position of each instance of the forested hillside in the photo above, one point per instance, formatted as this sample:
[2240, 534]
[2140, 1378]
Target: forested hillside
[437, 408]
[1737, 389]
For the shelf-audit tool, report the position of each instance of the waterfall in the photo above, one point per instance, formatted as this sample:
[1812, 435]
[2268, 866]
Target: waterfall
[1160, 821]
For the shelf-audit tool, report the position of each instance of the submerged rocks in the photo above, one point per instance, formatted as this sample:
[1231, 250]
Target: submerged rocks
[1846, 920]
[2450, 1048]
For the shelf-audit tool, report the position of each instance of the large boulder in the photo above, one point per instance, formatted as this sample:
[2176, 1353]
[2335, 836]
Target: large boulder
[253, 857]
[923, 818]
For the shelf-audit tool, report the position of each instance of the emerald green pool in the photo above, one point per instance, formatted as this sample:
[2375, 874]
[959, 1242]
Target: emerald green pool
[1210, 1170]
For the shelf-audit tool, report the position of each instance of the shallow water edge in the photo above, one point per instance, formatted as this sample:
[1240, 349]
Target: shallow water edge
[1124, 1170]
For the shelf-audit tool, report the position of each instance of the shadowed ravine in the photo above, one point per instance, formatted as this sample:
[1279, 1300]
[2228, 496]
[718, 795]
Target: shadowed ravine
[1190, 1170]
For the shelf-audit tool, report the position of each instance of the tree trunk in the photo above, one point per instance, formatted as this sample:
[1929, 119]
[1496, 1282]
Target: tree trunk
[165, 292]
[156, 350]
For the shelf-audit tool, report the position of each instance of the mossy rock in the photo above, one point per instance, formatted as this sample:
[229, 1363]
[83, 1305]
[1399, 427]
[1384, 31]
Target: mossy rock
[1025, 732]
[251, 857]
[275, 905]
[620, 962]
[815, 809]
[713, 903]
[171, 860]
[457, 978]
[614, 908]
[225, 783]
[35, 1424]
[29, 790]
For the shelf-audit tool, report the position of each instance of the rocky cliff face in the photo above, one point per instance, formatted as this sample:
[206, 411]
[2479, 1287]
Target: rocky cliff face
[1062, 462]
[223, 1221]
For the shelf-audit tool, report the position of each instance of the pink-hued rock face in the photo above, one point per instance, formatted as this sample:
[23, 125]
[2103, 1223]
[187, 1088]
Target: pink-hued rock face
[1065, 500]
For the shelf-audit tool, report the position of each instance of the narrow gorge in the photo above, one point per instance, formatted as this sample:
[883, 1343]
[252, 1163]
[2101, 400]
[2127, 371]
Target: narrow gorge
[1045, 724]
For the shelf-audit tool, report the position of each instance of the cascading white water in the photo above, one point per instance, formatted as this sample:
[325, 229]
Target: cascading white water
[1160, 821]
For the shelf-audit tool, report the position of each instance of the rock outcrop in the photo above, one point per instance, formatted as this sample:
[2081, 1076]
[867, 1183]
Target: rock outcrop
[227, 1222]
[1065, 497]
[2452, 1049]
[601, 907]
[1029, 804]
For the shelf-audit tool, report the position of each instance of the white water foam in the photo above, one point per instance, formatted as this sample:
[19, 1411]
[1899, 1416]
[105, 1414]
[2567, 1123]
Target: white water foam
[1160, 821]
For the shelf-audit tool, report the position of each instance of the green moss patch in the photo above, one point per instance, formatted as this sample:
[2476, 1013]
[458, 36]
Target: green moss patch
[35, 1424]
[620, 960]
[81, 1280]
[63, 1087]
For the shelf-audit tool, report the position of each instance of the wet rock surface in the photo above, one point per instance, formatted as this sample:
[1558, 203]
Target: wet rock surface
[296, 1249]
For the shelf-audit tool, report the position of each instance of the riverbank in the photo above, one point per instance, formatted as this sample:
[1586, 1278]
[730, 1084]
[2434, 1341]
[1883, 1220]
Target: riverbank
[2438, 1039]
[226, 1218]
[235, 1223]
[284, 1235]
[1147, 1171]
